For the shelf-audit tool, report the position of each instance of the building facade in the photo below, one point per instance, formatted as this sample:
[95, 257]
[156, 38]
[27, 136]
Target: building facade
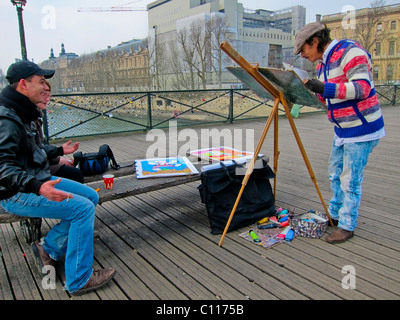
[121, 68]
[261, 36]
[377, 30]
[182, 49]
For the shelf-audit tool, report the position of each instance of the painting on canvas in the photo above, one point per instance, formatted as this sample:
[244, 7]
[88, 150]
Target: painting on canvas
[164, 167]
[220, 154]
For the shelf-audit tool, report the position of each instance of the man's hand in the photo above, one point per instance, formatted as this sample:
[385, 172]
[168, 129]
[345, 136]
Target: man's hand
[315, 85]
[48, 191]
[68, 149]
[66, 161]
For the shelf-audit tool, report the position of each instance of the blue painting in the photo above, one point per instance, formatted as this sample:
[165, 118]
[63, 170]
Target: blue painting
[164, 167]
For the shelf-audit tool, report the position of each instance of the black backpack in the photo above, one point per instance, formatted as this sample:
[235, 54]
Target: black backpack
[219, 190]
[95, 162]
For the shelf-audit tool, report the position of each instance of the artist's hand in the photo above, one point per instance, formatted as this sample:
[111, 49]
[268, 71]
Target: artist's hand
[48, 191]
[68, 149]
[315, 85]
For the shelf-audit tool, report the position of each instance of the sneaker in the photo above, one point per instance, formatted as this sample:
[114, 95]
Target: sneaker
[98, 279]
[41, 255]
[339, 235]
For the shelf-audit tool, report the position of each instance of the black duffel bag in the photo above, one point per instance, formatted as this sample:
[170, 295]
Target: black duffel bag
[95, 162]
[219, 190]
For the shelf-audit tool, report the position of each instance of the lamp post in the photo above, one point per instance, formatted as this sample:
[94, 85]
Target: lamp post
[19, 4]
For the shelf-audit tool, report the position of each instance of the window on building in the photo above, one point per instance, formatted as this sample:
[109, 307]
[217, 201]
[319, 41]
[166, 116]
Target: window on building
[378, 49]
[376, 72]
[393, 25]
[379, 27]
[392, 46]
[389, 73]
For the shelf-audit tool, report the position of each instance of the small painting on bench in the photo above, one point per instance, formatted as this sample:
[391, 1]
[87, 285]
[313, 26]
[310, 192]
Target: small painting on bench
[220, 154]
[164, 167]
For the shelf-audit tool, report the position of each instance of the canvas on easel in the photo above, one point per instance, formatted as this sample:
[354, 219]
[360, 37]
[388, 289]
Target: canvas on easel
[286, 81]
[275, 83]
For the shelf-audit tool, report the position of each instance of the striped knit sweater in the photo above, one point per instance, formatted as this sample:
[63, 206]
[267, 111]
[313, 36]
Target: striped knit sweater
[349, 90]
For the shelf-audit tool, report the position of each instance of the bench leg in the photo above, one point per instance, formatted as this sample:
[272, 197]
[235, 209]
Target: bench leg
[31, 229]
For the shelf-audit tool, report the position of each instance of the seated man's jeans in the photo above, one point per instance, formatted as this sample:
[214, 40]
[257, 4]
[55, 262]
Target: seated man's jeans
[346, 173]
[73, 235]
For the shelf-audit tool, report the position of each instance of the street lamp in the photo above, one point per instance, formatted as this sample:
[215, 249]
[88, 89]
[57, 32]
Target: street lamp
[19, 4]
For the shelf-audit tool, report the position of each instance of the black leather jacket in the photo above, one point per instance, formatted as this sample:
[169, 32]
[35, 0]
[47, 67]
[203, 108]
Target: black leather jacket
[24, 165]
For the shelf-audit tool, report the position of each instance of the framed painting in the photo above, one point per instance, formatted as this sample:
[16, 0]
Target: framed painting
[164, 167]
[220, 154]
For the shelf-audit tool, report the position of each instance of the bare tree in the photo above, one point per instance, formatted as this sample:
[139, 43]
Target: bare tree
[368, 30]
[218, 31]
[200, 41]
[181, 78]
[187, 53]
[158, 62]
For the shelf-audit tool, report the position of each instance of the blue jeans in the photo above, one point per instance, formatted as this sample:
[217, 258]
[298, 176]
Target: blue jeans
[73, 235]
[346, 173]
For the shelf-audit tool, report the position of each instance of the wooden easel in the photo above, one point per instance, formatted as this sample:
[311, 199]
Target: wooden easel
[279, 98]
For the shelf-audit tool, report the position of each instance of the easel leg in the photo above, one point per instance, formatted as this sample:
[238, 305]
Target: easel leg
[251, 166]
[304, 154]
[276, 150]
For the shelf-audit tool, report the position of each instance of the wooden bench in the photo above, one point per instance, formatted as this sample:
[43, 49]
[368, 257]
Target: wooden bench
[125, 184]
[129, 185]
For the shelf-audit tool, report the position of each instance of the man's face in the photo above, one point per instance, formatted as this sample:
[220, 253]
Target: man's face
[35, 88]
[310, 52]
[46, 98]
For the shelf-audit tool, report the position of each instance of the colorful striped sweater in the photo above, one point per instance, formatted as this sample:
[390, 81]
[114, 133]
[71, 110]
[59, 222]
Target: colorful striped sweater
[349, 93]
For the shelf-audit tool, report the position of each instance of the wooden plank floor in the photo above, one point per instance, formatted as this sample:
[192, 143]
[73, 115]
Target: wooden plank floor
[161, 245]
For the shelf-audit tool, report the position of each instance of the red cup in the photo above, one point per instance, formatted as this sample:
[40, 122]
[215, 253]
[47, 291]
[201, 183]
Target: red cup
[108, 181]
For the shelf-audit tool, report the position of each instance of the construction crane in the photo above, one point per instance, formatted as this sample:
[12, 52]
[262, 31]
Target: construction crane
[120, 7]
[110, 9]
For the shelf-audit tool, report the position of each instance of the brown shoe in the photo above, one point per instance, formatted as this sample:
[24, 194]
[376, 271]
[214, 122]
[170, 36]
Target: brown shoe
[41, 255]
[98, 279]
[339, 235]
[335, 222]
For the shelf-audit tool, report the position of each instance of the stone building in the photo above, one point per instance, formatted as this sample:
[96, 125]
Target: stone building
[378, 30]
[120, 68]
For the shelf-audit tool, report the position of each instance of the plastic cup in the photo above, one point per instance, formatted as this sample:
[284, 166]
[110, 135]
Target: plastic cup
[108, 181]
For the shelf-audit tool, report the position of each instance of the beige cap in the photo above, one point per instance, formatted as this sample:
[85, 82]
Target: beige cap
[305, 33]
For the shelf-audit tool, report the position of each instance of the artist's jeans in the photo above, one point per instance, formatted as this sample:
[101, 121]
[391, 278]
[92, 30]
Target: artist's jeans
[346, 173]
[73, 235]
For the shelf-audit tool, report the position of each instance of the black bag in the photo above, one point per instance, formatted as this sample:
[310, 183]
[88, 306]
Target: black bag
[219, 190]
[95, 162]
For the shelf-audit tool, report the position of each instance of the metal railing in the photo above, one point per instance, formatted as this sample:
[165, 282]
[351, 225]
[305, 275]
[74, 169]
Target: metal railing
[84, 114]
[388, 94]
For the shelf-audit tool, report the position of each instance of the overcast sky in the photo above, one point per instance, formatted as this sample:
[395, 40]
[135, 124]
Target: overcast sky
[48, 23]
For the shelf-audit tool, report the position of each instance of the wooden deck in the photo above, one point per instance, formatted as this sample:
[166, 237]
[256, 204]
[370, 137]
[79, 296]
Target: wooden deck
[161, 245]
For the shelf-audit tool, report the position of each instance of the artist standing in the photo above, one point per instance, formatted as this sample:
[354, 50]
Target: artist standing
[345, 84]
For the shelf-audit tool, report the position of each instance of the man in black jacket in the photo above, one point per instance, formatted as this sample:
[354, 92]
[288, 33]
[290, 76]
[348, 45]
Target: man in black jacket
[28, 189]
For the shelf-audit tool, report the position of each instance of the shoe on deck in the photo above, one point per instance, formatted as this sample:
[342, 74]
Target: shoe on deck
[41, 255]
[98, 279]
[339, 236]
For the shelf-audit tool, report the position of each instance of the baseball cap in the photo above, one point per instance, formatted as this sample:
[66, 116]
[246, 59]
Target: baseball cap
[305, 33]
[24, 69]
